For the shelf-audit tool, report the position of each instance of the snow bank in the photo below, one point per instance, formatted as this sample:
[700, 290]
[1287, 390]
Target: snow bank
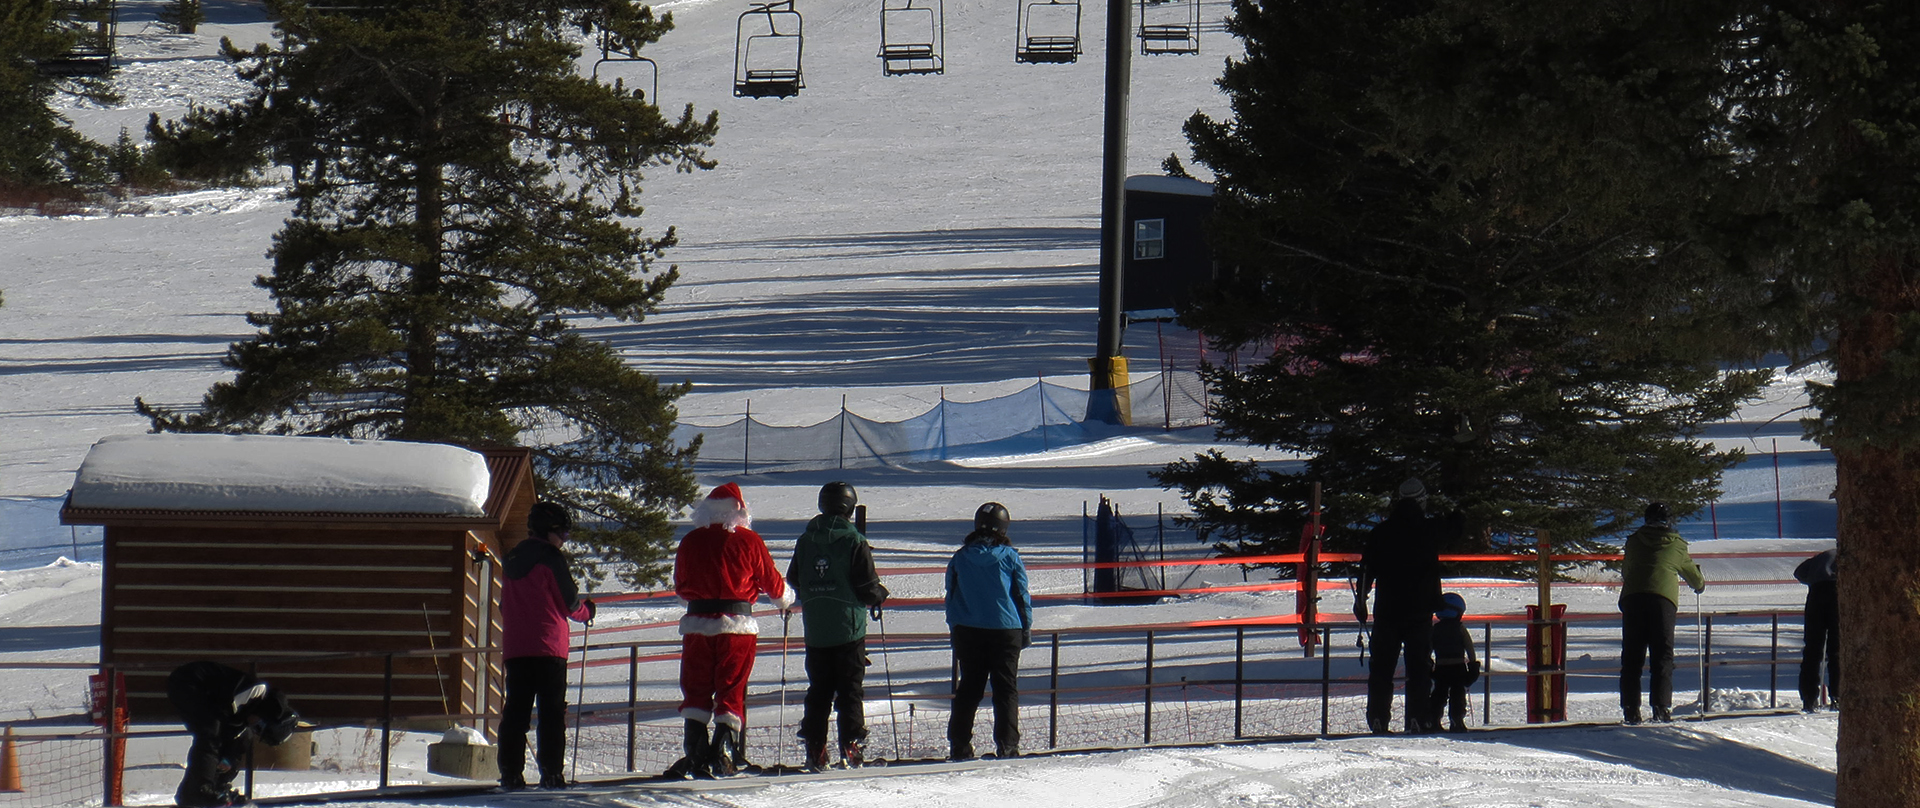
[272, 473]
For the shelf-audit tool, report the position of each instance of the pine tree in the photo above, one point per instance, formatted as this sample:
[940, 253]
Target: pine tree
[184, 16]
[1455, 282]
[41, 152]
[1828, 222]
[461, 195]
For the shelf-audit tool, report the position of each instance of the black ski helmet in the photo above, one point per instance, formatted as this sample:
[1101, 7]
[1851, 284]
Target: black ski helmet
[838, 499]
[992, 517]
[1657, 512]
[548, 517]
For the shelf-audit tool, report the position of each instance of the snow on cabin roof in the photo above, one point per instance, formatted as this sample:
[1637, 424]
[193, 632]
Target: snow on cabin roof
[270, 473]
[1163, 184]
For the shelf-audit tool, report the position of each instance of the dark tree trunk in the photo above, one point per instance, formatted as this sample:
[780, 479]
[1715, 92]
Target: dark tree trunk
[1879, 505]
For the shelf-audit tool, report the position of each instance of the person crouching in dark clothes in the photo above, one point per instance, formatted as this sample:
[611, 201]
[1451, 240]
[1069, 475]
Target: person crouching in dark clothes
[1455, 666]
[1822, 636]
[225, 709]
[1402, 561]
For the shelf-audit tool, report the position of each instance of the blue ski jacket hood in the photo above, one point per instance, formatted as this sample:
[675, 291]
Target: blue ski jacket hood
[987, 586]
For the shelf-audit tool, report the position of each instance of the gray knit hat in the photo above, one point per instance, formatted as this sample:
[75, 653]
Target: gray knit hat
[1413, 489]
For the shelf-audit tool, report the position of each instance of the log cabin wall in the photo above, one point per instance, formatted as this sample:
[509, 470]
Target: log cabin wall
[263, 599]
[314, 602]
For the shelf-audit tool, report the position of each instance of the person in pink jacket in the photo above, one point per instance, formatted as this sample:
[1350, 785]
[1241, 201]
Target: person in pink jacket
[536, 601]
[721, 568]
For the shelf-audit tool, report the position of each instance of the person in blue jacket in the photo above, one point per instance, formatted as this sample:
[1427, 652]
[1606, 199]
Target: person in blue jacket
[991, 619]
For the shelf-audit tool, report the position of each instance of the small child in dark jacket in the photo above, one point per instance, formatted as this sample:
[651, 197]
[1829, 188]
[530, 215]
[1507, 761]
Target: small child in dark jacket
[1455, 666]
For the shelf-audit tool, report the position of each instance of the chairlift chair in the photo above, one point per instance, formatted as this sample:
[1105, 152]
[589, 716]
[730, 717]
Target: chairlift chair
[1169, 26]
[766, 52]
[611, 54]
[913, 37]
[1047, 31]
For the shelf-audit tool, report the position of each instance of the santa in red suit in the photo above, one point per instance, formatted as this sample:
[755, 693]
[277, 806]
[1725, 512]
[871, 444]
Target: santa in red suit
[721, 568]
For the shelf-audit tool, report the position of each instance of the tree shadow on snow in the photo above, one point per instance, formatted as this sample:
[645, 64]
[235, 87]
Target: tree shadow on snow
[1680, 752]
[28, 639]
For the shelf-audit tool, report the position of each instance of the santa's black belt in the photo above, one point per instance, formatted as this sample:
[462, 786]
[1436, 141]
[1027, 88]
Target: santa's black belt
[719, 607]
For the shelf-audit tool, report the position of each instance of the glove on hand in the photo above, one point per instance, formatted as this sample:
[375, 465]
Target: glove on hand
[591, 609]
[1360, 610]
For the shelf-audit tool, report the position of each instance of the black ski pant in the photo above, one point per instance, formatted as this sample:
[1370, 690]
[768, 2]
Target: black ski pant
[1822, 642]
[532, 680]
[836, 680]
[1450, 683]
[1393, 634]
[1646, 634]
[986, 655]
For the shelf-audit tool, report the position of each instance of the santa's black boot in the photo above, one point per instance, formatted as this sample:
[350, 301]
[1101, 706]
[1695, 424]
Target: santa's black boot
[720, 754]
[697, 749]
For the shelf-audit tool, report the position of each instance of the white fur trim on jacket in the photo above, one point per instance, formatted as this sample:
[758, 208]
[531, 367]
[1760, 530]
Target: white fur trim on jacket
[696, 714]
[714, 625]
[731, 720]
[722, 512]
[786, 599]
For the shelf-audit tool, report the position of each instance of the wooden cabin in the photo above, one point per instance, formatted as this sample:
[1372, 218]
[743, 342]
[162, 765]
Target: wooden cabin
[275, 564]
[1170, 256]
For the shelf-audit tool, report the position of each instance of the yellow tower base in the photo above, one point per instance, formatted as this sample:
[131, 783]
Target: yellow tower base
[1110, 373]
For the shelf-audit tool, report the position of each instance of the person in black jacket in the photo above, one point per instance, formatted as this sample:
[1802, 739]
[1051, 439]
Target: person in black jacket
[1455, 666]
[1822, 635]
[1402, 561]
[225, 709]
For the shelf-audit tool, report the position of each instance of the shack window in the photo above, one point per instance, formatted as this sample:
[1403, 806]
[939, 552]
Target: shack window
[1149, 239]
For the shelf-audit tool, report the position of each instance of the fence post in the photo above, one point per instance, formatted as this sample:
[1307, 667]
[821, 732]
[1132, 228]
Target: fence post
[1706, 670]
[843, 430]
[1053, 696]
[1486, 675]
[386, 723]
[1146, 733]
[1326, 680]
[1239, 677]
[116, 723]
[1040, 394]
[1546, 646]
[1779, 512]
[633, 698]
[1773, 664]
[943, 423]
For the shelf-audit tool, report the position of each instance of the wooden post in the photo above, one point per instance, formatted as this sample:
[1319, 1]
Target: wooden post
[9, 765]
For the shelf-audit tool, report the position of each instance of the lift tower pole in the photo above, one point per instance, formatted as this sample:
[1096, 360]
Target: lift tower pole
[1109, 367]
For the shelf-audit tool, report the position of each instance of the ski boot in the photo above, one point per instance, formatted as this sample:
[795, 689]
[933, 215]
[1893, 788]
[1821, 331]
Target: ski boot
[720, 755]
[816, 756]
[853, 754]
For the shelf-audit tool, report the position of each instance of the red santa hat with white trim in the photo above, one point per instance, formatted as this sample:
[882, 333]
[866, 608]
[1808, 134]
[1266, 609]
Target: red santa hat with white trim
[724, 506]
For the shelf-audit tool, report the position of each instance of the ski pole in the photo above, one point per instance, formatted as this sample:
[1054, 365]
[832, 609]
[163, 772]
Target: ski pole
[886, 663]
[1700, 654]
[580, 698]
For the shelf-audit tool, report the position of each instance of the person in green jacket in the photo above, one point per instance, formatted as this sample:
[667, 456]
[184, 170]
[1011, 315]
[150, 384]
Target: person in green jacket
[832, 572]
[1649, 599]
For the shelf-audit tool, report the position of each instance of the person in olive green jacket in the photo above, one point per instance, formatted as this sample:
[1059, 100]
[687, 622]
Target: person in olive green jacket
[832, 572]
[1649, 599]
